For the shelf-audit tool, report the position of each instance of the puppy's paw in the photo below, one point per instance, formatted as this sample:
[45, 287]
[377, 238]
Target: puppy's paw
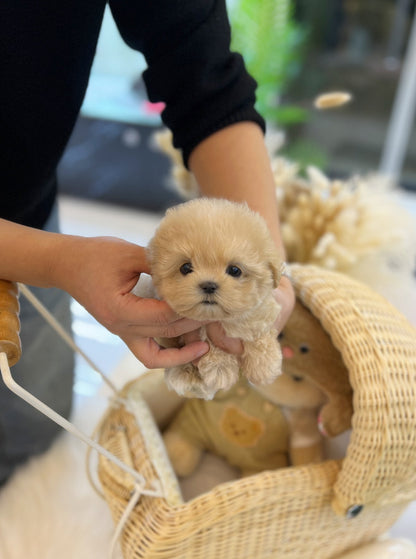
[186, 381]
[219, 370]
[262, 363]
[261, 375]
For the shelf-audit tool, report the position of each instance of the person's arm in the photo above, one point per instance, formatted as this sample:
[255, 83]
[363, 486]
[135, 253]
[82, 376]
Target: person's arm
[99, 272]
[233, 163]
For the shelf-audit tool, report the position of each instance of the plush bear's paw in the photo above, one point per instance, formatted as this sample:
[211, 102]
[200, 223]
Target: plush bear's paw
[261, 375]
[183, 456]
[336, 416]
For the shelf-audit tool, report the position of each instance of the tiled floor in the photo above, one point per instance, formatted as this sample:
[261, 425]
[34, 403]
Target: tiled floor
[89, 219]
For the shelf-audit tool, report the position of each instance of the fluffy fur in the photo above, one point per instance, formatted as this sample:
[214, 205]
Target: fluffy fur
[181, 179]
[48, 508]
[340, 224]
[358, 226]
[214, 260]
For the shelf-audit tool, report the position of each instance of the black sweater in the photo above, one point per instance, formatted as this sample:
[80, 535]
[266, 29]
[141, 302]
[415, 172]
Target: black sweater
[46, 52]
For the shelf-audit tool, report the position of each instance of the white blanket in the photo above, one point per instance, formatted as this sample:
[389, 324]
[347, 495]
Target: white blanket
[49, 510]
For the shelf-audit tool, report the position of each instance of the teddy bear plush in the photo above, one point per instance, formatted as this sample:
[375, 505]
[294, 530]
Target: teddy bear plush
[257, 428]
[310, 356]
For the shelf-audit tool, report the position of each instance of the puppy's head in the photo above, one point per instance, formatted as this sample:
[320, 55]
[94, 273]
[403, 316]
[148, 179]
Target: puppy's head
[212, 259]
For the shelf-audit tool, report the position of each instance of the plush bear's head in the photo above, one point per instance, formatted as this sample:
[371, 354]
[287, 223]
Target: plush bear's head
[314, 373]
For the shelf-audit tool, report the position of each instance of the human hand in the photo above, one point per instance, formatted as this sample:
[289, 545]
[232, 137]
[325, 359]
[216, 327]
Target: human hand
[285, 296]
[106, 270]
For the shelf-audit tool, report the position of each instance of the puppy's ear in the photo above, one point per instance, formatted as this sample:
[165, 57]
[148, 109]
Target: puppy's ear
[276, 268]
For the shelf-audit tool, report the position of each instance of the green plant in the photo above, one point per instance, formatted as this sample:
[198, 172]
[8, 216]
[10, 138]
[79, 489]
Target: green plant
[270, 40]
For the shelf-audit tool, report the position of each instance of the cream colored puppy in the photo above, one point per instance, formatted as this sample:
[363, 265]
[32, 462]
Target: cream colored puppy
[214, 260]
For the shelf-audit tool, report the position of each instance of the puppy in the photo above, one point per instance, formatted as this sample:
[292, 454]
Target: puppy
[214, 260]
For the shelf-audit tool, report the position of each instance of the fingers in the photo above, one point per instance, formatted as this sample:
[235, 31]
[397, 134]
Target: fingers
[218, 337]
[285, 296]
[149, 318]
[153, 356]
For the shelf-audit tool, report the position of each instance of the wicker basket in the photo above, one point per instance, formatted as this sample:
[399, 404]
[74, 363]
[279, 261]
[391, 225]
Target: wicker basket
[298, 512]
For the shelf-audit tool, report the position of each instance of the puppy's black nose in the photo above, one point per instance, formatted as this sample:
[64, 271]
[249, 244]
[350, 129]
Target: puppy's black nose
[208, 286]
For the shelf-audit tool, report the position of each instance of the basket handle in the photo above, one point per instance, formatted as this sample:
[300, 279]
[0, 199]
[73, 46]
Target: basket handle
[9, 322]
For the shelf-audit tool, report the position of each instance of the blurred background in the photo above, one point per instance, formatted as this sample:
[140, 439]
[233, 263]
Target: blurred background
[296, 49]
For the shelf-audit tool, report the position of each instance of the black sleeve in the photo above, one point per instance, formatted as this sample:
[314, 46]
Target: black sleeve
[186, 44]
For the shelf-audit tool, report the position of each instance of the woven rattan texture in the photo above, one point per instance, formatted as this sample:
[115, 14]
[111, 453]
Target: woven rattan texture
[290, 512]
[286, 513]
[378, 345]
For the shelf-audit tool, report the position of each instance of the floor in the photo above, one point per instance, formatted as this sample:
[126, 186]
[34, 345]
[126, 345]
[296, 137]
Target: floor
[90, 218]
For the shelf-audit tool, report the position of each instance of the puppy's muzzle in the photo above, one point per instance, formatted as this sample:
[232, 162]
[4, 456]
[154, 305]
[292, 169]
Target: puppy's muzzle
[208, 287]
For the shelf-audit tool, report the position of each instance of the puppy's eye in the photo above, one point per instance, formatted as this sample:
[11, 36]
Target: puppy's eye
[186, 268]
[303, 348]
[296, 378]
[234, 271]
[280, 336]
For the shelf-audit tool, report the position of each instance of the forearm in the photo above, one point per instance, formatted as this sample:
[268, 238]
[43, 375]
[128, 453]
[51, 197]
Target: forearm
[73, 263]
[46, 259]
[233, 163]
[100, 273]
[29, 255]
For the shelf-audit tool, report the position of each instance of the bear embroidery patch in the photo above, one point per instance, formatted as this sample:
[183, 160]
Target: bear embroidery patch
[240, 428]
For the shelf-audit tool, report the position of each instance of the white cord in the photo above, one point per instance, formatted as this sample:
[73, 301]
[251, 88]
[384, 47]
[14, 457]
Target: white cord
[64, 423]
[135, 498]
[139, 490]
[50, 319]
